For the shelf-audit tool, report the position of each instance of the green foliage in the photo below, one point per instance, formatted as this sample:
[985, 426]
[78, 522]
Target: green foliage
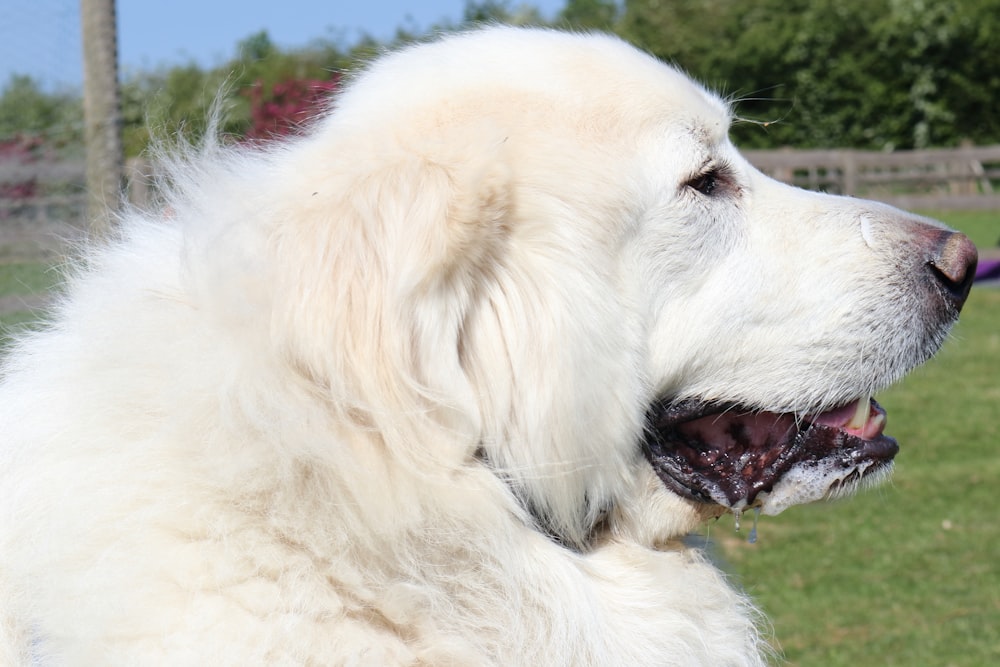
[590, 14]
[877, 74]
[257, 47]
[688, 33]
[179, 100]
[176, 100]
[486, 11]
[25, 109]
[495, 11]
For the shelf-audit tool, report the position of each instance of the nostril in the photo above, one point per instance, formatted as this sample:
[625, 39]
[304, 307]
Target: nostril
[954, 266]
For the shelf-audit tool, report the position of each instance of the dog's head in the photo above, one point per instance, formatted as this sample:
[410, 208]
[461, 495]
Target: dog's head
[544, 249]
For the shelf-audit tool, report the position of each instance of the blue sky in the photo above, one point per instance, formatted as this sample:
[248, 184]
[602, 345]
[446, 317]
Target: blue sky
[41, 37]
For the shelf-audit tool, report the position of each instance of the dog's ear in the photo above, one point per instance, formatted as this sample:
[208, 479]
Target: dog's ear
[381, 265]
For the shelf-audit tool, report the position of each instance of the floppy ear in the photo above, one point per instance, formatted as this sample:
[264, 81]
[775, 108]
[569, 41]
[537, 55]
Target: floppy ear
[380, 267]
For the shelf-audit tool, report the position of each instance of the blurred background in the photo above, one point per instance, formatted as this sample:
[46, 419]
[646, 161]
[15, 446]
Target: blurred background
[897, 100]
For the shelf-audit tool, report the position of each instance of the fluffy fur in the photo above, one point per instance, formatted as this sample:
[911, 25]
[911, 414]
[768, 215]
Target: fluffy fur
[375, 396]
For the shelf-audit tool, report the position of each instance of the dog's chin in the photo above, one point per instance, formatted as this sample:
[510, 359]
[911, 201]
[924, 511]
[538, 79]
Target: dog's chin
[654, 516]
[732, 457]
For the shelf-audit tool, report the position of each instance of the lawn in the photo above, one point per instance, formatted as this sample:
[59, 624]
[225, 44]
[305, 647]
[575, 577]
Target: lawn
[983, 227]
[21, 283]
[906, 574]
[25, 278]
[909, 573]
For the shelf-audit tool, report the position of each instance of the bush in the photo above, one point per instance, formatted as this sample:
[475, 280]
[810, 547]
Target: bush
[286, 107]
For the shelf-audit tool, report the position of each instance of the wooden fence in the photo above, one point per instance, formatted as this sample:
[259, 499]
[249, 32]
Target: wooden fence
[932, 179]
[55, 191]
[941, 179]
[43, 204]
[59, 189]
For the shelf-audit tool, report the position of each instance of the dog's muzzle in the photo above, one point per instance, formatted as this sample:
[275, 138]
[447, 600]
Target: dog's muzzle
[738, 456]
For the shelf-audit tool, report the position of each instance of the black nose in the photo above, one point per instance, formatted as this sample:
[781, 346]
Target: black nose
[953, 265]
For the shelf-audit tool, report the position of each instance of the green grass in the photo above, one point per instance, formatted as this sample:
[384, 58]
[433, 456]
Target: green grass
[20, 281]
[907, 574]
[25, 278]
[904, 575]
[983, 227]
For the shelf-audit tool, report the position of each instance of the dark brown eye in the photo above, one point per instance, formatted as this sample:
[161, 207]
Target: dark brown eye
[705, 183]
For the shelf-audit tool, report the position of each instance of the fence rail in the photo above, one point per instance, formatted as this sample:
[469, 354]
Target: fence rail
[953, 178]
[55, 192]
[943, 178]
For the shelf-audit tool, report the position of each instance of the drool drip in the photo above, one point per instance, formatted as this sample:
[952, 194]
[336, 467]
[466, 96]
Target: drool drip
[752, 537]
[737, 519]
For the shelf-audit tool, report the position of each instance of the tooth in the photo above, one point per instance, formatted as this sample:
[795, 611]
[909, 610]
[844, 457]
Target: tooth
[879, 422]
[860, 417]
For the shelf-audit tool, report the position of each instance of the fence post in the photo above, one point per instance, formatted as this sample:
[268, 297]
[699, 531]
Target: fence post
[850, 174]
[101, 113]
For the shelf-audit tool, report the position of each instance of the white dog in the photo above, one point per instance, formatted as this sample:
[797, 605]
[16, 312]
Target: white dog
[446, 381]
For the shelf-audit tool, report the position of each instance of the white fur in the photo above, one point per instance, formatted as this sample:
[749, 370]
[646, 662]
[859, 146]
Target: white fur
[374, 396]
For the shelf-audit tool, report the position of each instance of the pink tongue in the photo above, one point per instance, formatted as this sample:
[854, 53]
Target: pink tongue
[763, 429]
[837, 418]
[840, 417]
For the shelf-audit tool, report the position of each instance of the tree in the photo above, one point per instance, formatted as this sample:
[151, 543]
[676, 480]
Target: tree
[876, 74]
[179, 100]
[257, 46]
[496, 11]
[590, 14]
[27, 110]
[689, 33]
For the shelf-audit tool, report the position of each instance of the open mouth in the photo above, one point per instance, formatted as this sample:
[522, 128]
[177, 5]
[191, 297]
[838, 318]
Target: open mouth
[738, 458]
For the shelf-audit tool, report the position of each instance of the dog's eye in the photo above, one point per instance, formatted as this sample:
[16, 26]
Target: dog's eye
[706, 183]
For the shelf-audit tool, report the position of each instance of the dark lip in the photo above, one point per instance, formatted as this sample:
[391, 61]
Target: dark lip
[733, 470]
